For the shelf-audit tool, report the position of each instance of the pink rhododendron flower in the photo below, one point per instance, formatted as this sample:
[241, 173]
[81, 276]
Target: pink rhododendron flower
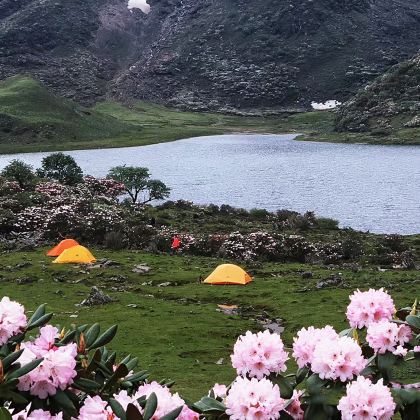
[254, 399]
[338, 358]
[57, 370]
[12, 319]
[416, 349]
[386, 336]
[295, 409]
[94, 408]
[365, 400]
[307, 339]
[368, 307]
[259, 354]
[219, 390]
[167, 402]
[37, 415]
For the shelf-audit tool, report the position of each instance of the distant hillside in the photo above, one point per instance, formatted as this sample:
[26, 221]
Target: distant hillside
[34, 119]
[29, 114]
[219, 55]
[389, 106]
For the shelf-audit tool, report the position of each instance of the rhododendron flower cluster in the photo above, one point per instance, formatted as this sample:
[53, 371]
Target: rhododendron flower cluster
[294, 409]
[386, 336]
[254, 399]
[37, 415]
[365, 400]
[368, 307]
[12, 319]
[57, 370]
[307, 339]
[95, 408]
[338, 358]
[167, 402]
[219, 391]
[257, 355]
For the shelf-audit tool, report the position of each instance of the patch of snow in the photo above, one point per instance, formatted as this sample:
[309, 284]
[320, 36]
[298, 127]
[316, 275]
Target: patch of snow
[331, 104]
[139, 4]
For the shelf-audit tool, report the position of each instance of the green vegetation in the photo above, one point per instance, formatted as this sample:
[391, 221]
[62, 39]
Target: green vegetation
[176, 330]
[33, 119]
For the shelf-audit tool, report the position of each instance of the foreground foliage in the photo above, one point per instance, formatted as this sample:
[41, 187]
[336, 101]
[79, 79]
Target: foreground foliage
[70, 374]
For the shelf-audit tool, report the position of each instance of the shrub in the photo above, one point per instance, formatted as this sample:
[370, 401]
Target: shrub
[61, 168]
[114, 240]
[21, 173]
[325, 223]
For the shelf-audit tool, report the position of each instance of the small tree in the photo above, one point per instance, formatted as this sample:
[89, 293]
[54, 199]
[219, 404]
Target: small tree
[138, 184]
[19, 172]
[61, 168]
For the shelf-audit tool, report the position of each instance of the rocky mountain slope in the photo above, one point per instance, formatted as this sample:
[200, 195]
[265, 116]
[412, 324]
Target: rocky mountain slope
[201, 54]
[389, 103]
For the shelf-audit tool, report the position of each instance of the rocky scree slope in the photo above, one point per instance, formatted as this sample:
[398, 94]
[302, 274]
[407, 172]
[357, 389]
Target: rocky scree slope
[391, 102]
[197, 54]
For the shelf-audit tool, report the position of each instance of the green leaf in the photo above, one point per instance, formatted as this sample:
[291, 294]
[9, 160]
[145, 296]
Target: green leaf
[315, 383]
[92, 334]
[173, 414]
[120, 372]
[10, 359]
[25, 369]
[385, 362]
[4, 414]
[117, 408]
[286, 389]
[40, 321]
[105, 338]
[209, 405]
[151, 406]
[64, 403]
[86, 385]
[301, 374]
[68, 337]
[37, 314]
[413, 321]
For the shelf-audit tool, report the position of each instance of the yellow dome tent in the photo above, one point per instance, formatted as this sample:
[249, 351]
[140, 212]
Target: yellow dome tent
[228, 274]
[76, 255]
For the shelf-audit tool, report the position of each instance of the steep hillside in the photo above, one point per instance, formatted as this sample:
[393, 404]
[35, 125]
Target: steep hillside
[197, 54]
[389, 106]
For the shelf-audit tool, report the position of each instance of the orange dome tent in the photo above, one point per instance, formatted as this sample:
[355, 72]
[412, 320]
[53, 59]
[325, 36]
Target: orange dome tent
[228, 274]
[75, 255]
[62, 246]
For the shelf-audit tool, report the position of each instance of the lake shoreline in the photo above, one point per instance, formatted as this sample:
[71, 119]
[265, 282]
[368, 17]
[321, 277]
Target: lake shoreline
[340, 181]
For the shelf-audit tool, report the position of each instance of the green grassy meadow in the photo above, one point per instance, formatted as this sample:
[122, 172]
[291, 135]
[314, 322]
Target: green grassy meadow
[177, 331]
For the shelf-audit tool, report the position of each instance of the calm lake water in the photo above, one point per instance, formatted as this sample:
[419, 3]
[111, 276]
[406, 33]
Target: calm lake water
[374, 188]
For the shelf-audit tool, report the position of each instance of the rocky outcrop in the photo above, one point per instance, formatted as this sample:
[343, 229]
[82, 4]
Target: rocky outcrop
[390, 102]
[199, 54]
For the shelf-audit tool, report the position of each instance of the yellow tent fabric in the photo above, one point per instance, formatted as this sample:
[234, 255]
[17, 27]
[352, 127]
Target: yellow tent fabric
[228, 274]
[76, 255]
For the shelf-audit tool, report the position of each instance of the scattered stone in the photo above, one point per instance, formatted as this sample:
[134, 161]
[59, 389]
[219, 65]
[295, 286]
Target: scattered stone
[220, 361]
[147, 283]
[73, 316]
[228, 309]
[166, 284]
[105, 263]
[26, 280]
[141, 269]
[307, 275]
[96, 297]
[334, 280]
[132, 305]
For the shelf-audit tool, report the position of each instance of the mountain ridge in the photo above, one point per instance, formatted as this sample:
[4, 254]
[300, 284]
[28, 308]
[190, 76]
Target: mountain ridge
[193, 54]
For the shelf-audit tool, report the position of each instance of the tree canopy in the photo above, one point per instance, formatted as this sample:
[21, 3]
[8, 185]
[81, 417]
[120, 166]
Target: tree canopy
[61, 168]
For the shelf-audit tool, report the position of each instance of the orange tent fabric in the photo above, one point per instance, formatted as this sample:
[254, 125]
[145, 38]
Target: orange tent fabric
[228, 274]
[62, 246]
